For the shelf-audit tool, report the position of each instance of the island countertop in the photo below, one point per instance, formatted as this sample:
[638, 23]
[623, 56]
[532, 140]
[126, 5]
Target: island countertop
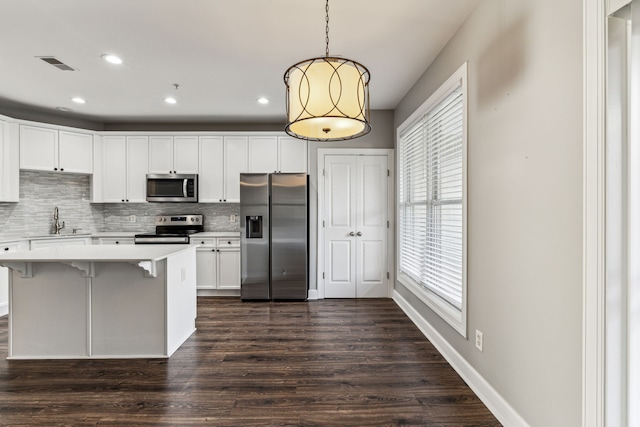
[96, 253]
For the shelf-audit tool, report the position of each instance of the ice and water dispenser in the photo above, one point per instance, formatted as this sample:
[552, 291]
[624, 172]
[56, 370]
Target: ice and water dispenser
[254, 227]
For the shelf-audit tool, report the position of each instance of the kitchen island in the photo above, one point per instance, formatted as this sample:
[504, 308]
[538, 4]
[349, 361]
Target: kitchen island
[100, 301]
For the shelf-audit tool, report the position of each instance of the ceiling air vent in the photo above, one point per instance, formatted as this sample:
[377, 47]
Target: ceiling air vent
[56, 63]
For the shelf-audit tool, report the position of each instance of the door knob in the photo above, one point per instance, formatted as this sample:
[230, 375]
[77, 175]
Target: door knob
[352, 234]
[358, 234]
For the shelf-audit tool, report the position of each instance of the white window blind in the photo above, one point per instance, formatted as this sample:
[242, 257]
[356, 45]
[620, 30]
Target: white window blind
[432, 147]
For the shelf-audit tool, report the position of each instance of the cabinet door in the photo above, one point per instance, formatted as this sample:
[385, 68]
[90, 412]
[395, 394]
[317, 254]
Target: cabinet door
[4, 276]
[161, 154]
[9, 162]
[229, 268]
[115, 169]
[211, 177]
[206, 268]
[235, 156]
[137, 168]
[185, 154]
[292, 154]
[38, 148]
[75, 152]
[263, 154]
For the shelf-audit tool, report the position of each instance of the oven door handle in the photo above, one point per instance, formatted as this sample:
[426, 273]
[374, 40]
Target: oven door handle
[184, 187]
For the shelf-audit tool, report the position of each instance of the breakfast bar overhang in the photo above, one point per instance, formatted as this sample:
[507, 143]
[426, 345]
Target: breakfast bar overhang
[102, 301]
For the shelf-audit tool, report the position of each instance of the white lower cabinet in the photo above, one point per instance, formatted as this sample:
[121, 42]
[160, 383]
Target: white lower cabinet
[217, 263]
[4, 274]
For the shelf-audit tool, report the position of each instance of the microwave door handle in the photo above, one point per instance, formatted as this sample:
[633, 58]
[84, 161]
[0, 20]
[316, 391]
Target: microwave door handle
[184, 187]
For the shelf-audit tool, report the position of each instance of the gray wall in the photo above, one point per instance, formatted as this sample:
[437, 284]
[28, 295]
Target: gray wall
[525, 201]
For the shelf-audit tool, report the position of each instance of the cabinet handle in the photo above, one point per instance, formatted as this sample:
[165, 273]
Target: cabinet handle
[6, 249]
[127, 200]
[55, 169]
[358, 234]
[229, 243]
[202, 243]
[123, 200]
[117, 243]
[61, 169]
[352, 233]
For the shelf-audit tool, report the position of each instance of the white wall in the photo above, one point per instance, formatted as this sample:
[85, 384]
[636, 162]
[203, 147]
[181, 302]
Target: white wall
[525, 201]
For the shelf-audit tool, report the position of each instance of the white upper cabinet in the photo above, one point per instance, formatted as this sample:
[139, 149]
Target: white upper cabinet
[173, 154]
[211, 178]
[263, 154]
[48, 149]
[125, 168]
[235, 163]
[9, 160]
[292, 154]
[222, 160]
[277, 154]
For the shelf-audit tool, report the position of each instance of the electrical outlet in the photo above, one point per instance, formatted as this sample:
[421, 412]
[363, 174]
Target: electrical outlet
[478, 340]
[232, 218]
[132, 218]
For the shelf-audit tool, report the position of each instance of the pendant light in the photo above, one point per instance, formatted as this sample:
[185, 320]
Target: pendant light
[327, 97]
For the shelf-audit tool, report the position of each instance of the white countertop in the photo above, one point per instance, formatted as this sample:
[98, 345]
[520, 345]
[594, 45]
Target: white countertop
[95, 253]
[9, 237]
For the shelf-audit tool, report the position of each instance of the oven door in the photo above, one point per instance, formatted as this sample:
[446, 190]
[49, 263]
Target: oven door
[172, 188]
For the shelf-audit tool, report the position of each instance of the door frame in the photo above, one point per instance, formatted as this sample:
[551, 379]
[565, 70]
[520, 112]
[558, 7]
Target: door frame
[390, 153]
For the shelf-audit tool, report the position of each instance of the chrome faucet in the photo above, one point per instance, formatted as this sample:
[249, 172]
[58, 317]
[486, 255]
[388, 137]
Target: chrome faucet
[56, 224]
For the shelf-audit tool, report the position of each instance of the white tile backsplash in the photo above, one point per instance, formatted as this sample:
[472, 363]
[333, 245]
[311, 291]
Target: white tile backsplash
[40, 192]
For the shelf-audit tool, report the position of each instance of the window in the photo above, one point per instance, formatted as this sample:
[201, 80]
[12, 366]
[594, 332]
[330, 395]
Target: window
[432, 201]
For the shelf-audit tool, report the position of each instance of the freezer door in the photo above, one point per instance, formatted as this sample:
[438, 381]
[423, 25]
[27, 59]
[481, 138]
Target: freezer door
[254, 236]
[289, 236]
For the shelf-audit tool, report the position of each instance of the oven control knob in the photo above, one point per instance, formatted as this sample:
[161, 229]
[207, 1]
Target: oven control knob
[192, 219]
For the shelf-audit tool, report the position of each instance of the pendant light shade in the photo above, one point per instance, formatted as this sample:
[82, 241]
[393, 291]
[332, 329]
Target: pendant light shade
[327, 98]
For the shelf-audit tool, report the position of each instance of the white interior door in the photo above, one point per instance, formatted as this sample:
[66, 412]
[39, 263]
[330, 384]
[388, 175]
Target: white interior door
[340, 226]
[371, 227]
[355, 226]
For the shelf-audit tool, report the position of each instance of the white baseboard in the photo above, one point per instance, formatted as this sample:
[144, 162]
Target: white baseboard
[4, 309]
[313, 294]
[487, 394]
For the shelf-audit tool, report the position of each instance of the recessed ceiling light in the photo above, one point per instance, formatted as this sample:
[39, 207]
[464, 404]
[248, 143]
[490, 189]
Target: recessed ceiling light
[263, 101]
[170, 100]
[113, 59]
[78, 100]
[64, 109]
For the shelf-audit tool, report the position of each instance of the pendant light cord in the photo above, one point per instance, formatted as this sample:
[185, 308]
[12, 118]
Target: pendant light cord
[327, 29]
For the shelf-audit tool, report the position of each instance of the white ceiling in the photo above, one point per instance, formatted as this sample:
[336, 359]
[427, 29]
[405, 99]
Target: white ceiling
[223, 54]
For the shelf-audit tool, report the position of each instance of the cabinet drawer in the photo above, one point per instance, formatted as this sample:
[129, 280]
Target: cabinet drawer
[205, 241]
[232, 242]
[116, 241]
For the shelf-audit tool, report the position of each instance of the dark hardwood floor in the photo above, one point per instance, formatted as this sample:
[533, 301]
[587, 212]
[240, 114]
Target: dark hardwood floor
[321, 363]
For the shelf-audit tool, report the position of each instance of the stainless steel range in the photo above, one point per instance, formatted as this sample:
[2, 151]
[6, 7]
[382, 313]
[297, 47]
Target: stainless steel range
[174, 229]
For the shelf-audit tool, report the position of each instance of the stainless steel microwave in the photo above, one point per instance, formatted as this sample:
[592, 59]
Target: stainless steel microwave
[172, 188]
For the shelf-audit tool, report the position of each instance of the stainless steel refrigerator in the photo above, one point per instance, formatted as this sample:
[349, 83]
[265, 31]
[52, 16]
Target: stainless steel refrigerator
[274, 236]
